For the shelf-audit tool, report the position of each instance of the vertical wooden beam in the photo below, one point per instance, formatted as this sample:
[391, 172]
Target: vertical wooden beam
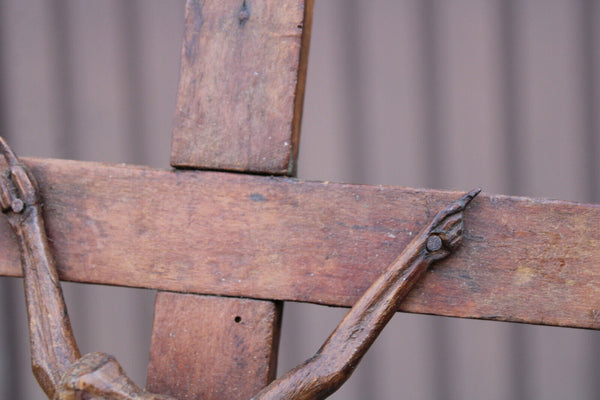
[243, 70]
[239, 106]
[212, 348]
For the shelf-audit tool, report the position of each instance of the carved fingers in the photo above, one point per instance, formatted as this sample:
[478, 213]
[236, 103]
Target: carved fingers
[445, 232]
[99, 376]
[18, 189]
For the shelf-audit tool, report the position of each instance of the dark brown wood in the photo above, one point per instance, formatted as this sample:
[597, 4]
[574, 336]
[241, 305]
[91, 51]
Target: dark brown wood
[277, 238]
[213, 348]
[241, 110]
[99, 376]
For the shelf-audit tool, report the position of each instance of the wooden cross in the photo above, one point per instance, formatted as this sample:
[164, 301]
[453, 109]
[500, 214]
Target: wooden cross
[260, 240]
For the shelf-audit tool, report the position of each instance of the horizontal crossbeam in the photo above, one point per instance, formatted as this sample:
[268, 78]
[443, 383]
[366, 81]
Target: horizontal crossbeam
[524, 260]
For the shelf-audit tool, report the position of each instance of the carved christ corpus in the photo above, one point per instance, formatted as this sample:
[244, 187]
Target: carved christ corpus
[65, 375]
[242, 235]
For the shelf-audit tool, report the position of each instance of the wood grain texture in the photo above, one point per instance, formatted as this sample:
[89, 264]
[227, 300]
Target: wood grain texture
[241, 87]
[324, 373]
[213, 348]
[52, 345]
[278, 238]
[238, 108]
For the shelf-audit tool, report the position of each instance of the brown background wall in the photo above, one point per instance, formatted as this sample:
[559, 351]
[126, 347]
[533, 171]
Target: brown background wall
[454, 94]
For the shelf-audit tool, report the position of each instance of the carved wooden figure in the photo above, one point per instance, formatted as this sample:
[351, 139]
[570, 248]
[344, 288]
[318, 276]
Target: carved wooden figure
[65, 375]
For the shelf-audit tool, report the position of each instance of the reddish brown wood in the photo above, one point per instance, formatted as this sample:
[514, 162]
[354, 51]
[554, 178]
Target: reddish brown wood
[56, 362]
[213, 348]
[52, 345]
[238, 108]
[326, 371]
[243, 69]
[278, 238]
[237, 361]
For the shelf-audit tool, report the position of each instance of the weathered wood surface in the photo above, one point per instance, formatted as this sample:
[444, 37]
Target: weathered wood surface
[55, 358]
[331, 366]
[239, 107]
[208, 347]
[52, 345]
[238, 111]
[279, 238]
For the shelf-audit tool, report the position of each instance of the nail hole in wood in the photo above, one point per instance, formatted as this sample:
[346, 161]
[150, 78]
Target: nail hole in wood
[244, 13]
[238, 319]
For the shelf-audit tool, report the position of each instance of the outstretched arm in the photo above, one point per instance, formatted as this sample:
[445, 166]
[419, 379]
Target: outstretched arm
[326, 371]
[53, 348]
[57, 364]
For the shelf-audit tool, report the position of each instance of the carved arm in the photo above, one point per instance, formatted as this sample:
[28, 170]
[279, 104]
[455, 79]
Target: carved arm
[55, 358]
[332, 365]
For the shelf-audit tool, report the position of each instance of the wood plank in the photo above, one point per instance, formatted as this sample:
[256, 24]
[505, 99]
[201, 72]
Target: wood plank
[278, 238]
[241, 67]
[239, 107]
[241, 111]
[213, 348]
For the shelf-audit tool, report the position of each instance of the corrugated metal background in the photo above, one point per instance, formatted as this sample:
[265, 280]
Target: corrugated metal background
[503, 94]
